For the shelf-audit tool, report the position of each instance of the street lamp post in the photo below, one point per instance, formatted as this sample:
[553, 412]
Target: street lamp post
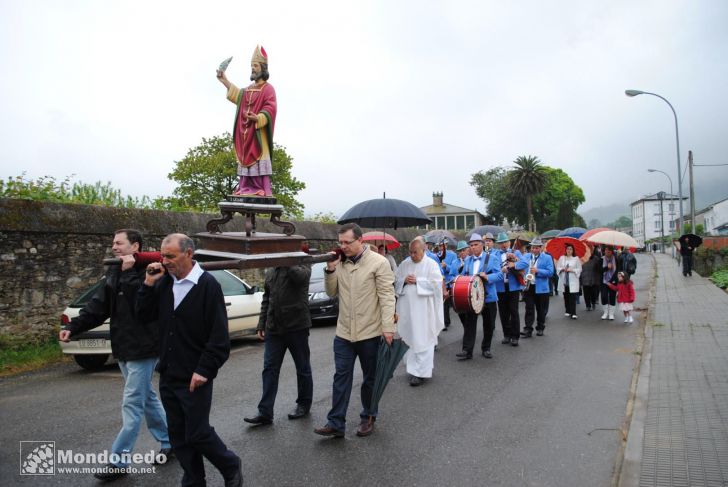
[672, 199]
[677, 139]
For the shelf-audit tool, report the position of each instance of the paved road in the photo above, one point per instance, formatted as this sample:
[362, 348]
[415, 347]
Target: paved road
[547, 413]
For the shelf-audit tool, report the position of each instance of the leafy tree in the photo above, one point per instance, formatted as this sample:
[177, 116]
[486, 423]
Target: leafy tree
[622, 221]
[322, 217]
[529, 179]
[503, 201]
[208, 173]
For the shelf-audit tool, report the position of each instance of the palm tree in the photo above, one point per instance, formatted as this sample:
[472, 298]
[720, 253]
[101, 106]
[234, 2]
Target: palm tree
[528, 178]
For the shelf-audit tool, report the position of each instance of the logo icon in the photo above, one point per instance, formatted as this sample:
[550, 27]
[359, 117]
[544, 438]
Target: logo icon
[37, 458]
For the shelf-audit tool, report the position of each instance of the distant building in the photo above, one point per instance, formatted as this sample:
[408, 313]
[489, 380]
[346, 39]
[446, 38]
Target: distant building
[713, 217]
[450, 217]
[653, 215]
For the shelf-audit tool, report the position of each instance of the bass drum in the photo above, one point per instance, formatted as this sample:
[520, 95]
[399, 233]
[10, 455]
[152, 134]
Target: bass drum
[468, 294]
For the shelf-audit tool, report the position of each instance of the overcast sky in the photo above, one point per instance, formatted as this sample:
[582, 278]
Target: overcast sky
[402, 97]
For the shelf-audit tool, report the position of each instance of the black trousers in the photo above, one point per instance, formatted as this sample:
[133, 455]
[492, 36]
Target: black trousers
[537, 305]
[609, 296]
[569, 301]
[190, 433]
[687, 264]
[295, 342]
[470, 327]
[447, 304]
[508, 311]
[591, 295]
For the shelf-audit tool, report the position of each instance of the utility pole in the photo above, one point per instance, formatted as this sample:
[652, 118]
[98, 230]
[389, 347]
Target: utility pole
[661, 196]
[692, 193]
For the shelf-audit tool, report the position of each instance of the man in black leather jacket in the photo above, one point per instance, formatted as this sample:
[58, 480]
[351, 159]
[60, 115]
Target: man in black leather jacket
[134, 345]
[284, 325]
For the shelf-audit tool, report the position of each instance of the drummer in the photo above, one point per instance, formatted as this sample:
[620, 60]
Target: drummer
[487, 266]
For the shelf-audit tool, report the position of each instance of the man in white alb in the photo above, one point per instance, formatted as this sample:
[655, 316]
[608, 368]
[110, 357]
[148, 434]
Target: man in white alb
[418, 285]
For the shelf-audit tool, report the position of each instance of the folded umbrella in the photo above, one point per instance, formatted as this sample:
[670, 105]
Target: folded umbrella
[388, 358]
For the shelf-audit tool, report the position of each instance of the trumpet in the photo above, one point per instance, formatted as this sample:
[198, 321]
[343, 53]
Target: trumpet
[530, 278]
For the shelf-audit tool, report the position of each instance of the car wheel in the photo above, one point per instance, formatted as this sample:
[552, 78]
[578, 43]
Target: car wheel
[91, 362]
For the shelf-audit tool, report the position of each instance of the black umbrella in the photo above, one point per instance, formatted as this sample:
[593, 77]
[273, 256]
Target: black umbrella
[693, 240]
[437, 236]
[388, 357]
[385, 213]
[483, 229]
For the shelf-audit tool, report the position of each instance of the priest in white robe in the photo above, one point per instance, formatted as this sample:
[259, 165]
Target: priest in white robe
[419, 289]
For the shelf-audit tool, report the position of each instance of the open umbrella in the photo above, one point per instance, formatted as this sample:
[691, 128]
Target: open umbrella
[388, 357]
[381, 238]
[693, 240]
[589, 233]
[556, 247]
[613, 238]
[438, 236]
[574, 232]
[483, 229]
[550, 233]
[385, 213]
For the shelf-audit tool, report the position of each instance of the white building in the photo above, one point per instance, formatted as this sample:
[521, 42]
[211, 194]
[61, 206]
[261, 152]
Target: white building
[713, 217]
[653, 215]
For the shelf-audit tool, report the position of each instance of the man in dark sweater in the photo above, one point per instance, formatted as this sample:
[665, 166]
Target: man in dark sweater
[194, 343]
[284, 325]
[134, 345]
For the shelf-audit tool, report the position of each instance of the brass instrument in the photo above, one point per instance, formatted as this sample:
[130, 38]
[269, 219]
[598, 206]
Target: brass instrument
[530, 278]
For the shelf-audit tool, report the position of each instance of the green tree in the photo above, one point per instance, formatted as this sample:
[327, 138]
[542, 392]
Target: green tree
[529, 179]
[622, 221]
[503, 201]
[322, 217]
[208, 173]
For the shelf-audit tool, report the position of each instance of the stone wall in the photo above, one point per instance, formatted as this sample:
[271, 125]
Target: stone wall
[51, 252]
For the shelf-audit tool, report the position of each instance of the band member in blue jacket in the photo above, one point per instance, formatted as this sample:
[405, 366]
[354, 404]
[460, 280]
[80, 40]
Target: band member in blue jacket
[449, 263]
[541, 267]
[513, 268]
[487, 266]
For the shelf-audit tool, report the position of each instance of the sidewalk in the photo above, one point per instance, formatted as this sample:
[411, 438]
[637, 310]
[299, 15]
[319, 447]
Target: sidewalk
[679, 430]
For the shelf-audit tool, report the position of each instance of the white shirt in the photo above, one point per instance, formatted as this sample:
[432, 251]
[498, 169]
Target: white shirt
[181, 287]
[476, 264]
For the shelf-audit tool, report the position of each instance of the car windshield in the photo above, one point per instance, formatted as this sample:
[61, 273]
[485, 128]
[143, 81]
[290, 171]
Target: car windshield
[317, 270]
[84, 298]
[231, 286]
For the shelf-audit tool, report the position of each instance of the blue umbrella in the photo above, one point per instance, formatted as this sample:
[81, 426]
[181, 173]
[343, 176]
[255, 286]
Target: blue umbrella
[573, 232]
[385, 213]
[550, 233]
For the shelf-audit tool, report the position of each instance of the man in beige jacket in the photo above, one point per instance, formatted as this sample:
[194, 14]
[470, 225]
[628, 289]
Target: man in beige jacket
[364, 283]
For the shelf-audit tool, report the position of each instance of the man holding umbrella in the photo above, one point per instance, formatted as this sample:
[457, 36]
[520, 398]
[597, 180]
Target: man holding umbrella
[364, 284]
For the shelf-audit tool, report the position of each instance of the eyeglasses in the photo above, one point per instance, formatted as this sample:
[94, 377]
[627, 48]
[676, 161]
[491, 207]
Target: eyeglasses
[344, 243]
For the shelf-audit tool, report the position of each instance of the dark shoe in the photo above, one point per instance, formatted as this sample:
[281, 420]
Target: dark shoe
[168, 455]
[329, 431]
[464, 355]
[366, 428]
[506, 341]
[487, 354]
[298, 412]
[237, 479]
[258, 420]
[526, 334]
[539, 333]
[111, 472]
[416, 381]
[514, 342]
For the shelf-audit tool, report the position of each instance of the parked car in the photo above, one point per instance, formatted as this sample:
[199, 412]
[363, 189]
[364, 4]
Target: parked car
[91, 349]
[321, 306]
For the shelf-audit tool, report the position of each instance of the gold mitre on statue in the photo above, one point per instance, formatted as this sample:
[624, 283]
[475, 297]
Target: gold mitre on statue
[259, 55]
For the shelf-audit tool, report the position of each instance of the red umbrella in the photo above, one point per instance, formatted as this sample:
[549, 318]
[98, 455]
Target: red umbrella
[591, 232]
[378, 238]
[557, 246]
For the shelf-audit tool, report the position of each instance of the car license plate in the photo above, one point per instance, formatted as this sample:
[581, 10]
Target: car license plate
[92, 343]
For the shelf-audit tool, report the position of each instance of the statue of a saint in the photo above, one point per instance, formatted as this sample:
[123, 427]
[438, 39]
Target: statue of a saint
[254, 122]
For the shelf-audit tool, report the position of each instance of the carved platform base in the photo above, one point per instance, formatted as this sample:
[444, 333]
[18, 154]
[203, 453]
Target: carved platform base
[249, 207]
[240, 243]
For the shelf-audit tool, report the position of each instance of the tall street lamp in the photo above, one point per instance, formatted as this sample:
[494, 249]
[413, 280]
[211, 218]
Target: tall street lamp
[677, 139]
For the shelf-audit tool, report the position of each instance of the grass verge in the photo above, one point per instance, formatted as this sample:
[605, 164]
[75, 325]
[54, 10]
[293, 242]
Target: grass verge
[22, 358]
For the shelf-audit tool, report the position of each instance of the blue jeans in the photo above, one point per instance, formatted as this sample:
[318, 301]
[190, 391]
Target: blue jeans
[139, 401]
[275, 350]
[345, 354]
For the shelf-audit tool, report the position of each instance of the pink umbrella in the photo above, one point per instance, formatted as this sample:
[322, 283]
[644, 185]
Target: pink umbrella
[378, 238]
